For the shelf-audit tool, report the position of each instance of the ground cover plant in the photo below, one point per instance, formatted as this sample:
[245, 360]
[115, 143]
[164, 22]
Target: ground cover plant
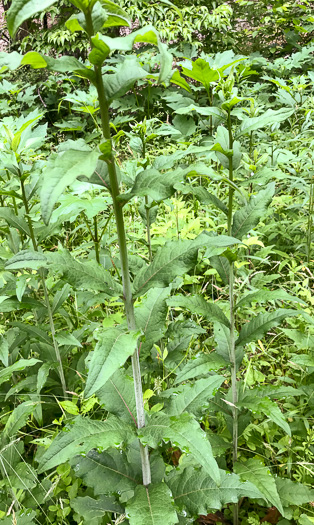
[156, 275]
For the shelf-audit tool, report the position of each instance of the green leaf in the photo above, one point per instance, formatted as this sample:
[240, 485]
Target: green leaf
[112, 350]
[13, 220]
[194, 398]
[262, 296]
[91, 508]
[59, 298]
[117, 396]
[292, 493]
[184, 432]
[196, 304]
[86, 274]
[269, 408]
[253, 470]
[267, 119]
[6, 373]
[151, 316]
[21, 10]
[34, 332]
[151, 505]
[302, 359]
[207, 198]
[195, 491]
[61, 171]
[199, 365]
[153, 184]
[26, 259]
[18, 418]
[108, 472]
[176, 258]
[259, 326]
[202, 72]
[4, 351]
[84, 435]
[119, 83]
[65, 339]
[249, 216]
[222, 138]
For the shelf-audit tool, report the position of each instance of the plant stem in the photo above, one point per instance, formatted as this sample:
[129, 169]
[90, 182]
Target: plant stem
[148, 231]
[43, 281]
[96, 240]
[232, 354]
[127, 292]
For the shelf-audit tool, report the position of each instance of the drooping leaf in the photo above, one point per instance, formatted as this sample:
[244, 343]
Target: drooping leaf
[267, 119]
[150, 317]
[195, 491]
[86, 274]
[21, 10]
[61, 171]
[108, 472]
[222, 266]
[84, 435]
[199, 365]
[91, 508]
[262, 296]
[6, 373]
[26, 259]
[18, 418]
[198, 305]
[4, 351]
[253, 470]
[34, 331]
[119, 83]
[153, 184]
[176, 258]
[249, 216]
[65, 339]
[112, 350]
[185, 432]
[151, 505]
[259, 326]
[269, 408]
[203, 195]
[194, 398]
[59, 298]
[117, 396]
[222, 139]
[14, 220]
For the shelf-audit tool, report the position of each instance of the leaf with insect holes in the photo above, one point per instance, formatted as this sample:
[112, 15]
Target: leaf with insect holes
[194, 490]
[152, 505]
[112, 350]
[249, 216]
[184, 432]
[84, 435]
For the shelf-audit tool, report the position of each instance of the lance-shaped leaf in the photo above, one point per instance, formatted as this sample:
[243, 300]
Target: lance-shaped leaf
[150, 317]
[185, 433]
[267, 119]
[91, 508]
[195, 491]
[253, 470]
[262, 296]
[198, 305]
[117, 396]
[269, 408]
[61, 171]
[107, 472]
[152, 505]
[119, 83]
[199, 365]
[26, 259]
[6, 373]
[194, 398]
[259, 326]
[153, 184]
[13, 220]
[84, 435]
[18, 418]
[205, 197]
[249, 216]
[34, 331]
[177, 257]
[21, 10]
[86, 274]
[112, 350]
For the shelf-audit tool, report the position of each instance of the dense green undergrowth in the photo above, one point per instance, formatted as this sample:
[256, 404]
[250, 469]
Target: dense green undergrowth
[156, 299]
